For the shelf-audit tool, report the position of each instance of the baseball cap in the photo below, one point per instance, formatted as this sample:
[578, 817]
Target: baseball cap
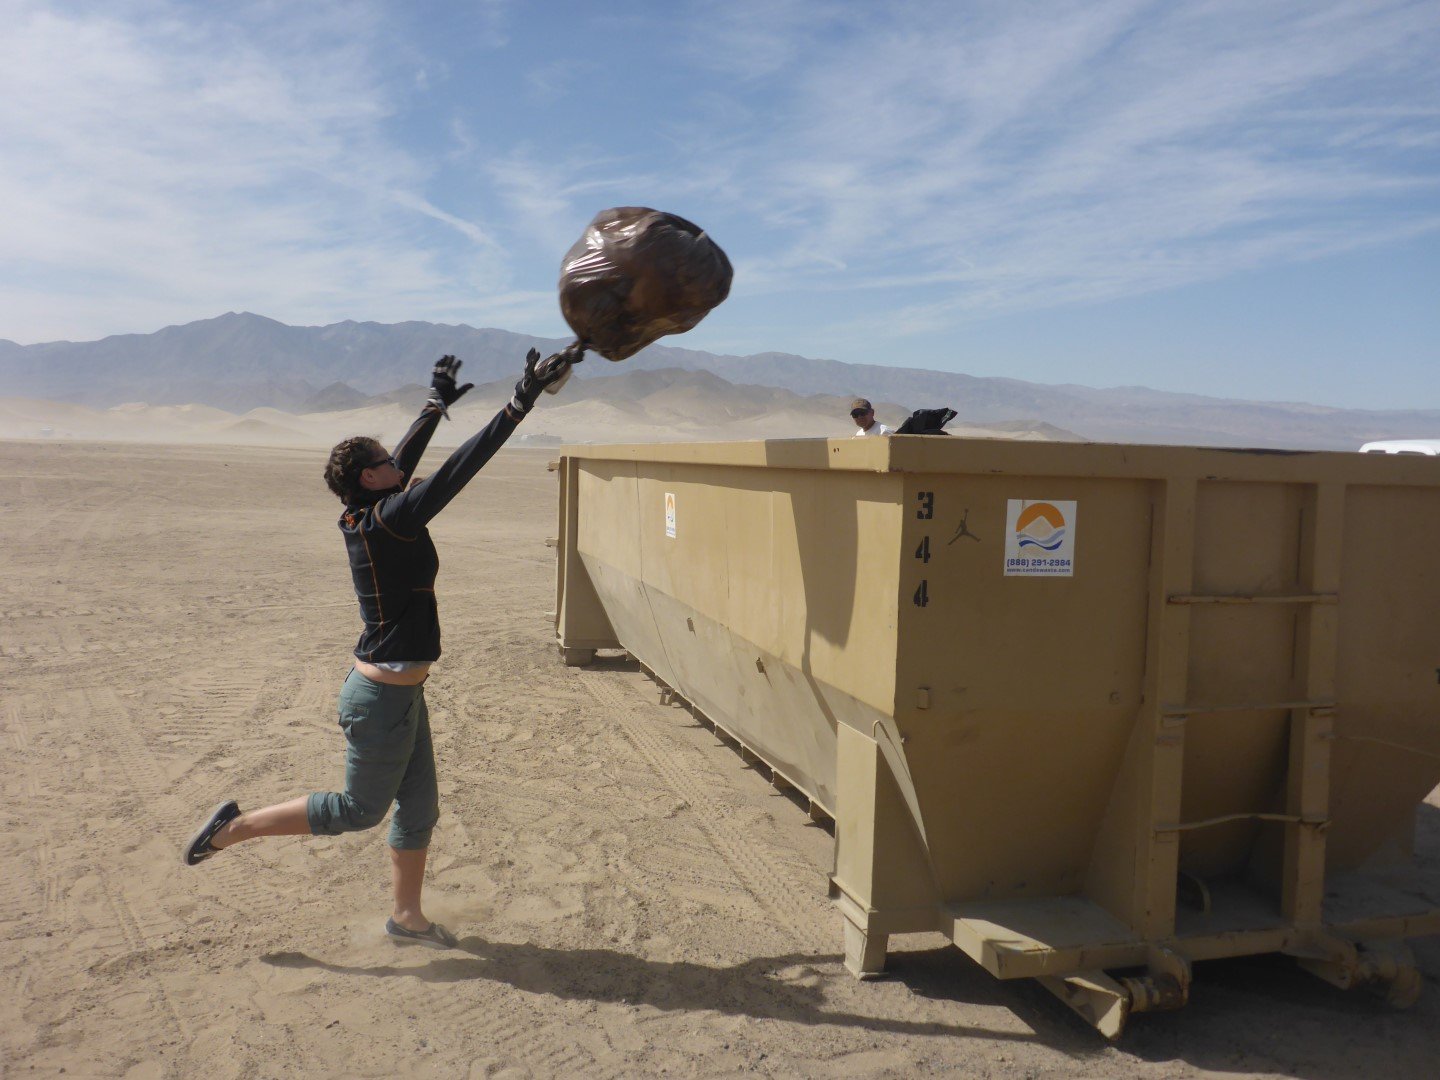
[860, 403]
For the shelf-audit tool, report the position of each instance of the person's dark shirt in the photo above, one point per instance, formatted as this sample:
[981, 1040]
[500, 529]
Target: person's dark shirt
[392, 559]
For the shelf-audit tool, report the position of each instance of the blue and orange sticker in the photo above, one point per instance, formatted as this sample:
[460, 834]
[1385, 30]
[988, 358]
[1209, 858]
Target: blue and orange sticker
[1040, 538]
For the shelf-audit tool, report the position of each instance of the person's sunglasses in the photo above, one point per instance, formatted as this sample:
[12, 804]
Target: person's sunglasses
[857, 413]
[387, 460]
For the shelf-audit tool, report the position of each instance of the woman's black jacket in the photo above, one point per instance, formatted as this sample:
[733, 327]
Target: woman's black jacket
[392, 558]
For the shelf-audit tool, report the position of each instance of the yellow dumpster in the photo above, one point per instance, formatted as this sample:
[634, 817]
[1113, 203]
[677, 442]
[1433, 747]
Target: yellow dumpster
[1095, 712]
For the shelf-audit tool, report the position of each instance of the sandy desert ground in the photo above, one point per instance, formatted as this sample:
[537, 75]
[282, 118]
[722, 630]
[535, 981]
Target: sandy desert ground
[174, 625]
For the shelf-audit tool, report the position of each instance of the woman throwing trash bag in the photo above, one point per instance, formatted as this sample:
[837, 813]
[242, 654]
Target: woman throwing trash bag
[389, 757]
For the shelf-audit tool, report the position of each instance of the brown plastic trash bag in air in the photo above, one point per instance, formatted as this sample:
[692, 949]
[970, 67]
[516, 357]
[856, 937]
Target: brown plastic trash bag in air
[636, 275]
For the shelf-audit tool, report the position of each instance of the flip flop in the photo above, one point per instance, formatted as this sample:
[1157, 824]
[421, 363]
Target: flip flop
[199, 848]
[437, 937]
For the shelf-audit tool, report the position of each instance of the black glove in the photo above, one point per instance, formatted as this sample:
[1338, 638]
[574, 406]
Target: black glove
[443, 391]
[544, 374]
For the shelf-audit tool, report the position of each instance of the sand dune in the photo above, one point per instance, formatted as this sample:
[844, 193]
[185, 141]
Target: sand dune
[249, 429]
[669, 414]
[595, 407]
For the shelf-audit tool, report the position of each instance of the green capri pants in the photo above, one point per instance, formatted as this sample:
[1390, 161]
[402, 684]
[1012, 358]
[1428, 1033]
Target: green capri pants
[388, 759]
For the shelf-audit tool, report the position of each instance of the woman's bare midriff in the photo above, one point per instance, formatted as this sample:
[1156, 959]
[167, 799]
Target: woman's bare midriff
[413, 677]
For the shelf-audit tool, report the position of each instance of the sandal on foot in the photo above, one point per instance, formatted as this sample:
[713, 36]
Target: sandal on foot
[199, 848]
[437, 937]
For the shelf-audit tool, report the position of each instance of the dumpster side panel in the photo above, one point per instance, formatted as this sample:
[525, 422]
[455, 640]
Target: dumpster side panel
[607, 545]
[1387, 732]
[765, 598]
[580, 618]
[1247, 543]
[1017, 694]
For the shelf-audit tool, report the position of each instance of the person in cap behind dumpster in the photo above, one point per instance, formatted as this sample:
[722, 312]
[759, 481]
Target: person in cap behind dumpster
[389, 758]
[863, 413]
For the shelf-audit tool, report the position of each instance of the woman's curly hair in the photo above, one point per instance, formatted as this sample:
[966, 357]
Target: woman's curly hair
[347, 461]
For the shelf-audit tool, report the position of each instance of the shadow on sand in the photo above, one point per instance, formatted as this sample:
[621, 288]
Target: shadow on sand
[789, 988]
[1251, 1015]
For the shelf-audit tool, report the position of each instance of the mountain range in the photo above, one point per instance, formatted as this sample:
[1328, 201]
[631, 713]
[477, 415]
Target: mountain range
[241, 361]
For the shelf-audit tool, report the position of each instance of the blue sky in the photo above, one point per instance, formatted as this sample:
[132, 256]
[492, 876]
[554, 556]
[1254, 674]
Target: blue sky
[1231, 198]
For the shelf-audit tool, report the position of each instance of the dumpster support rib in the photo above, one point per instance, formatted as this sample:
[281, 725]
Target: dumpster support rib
[1152, 907]
[581, 623]
[1307, 785]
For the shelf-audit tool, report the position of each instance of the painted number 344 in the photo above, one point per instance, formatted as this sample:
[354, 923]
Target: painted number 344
[924, 512]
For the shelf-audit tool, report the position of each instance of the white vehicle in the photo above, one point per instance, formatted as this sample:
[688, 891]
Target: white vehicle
[1428, 447]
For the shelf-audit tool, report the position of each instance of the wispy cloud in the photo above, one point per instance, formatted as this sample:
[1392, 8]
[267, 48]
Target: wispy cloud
[235, 160]
[491, 18]
[756, 38]
[554, 195]
[554, 79]
[1012, 156]
[912, 163]
[467, 229]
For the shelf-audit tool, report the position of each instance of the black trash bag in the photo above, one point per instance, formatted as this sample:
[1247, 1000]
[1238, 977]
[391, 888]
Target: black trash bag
[926, 422]
[636, 275]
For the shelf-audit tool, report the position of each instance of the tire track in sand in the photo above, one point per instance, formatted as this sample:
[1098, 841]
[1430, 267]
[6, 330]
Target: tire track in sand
[786, 901]
[106, 610]
[93, 916]
[95, 525]
[141, 776]
[517, 1030]
[24, 896]
[219, 713]
[140, 943]
[144, 926]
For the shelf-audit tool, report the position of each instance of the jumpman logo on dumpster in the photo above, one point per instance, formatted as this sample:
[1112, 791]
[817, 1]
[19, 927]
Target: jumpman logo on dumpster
[963, 530]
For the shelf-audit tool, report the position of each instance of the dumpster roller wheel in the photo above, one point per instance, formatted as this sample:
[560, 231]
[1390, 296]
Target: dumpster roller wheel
[1105, 1002]
[1387, 966]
